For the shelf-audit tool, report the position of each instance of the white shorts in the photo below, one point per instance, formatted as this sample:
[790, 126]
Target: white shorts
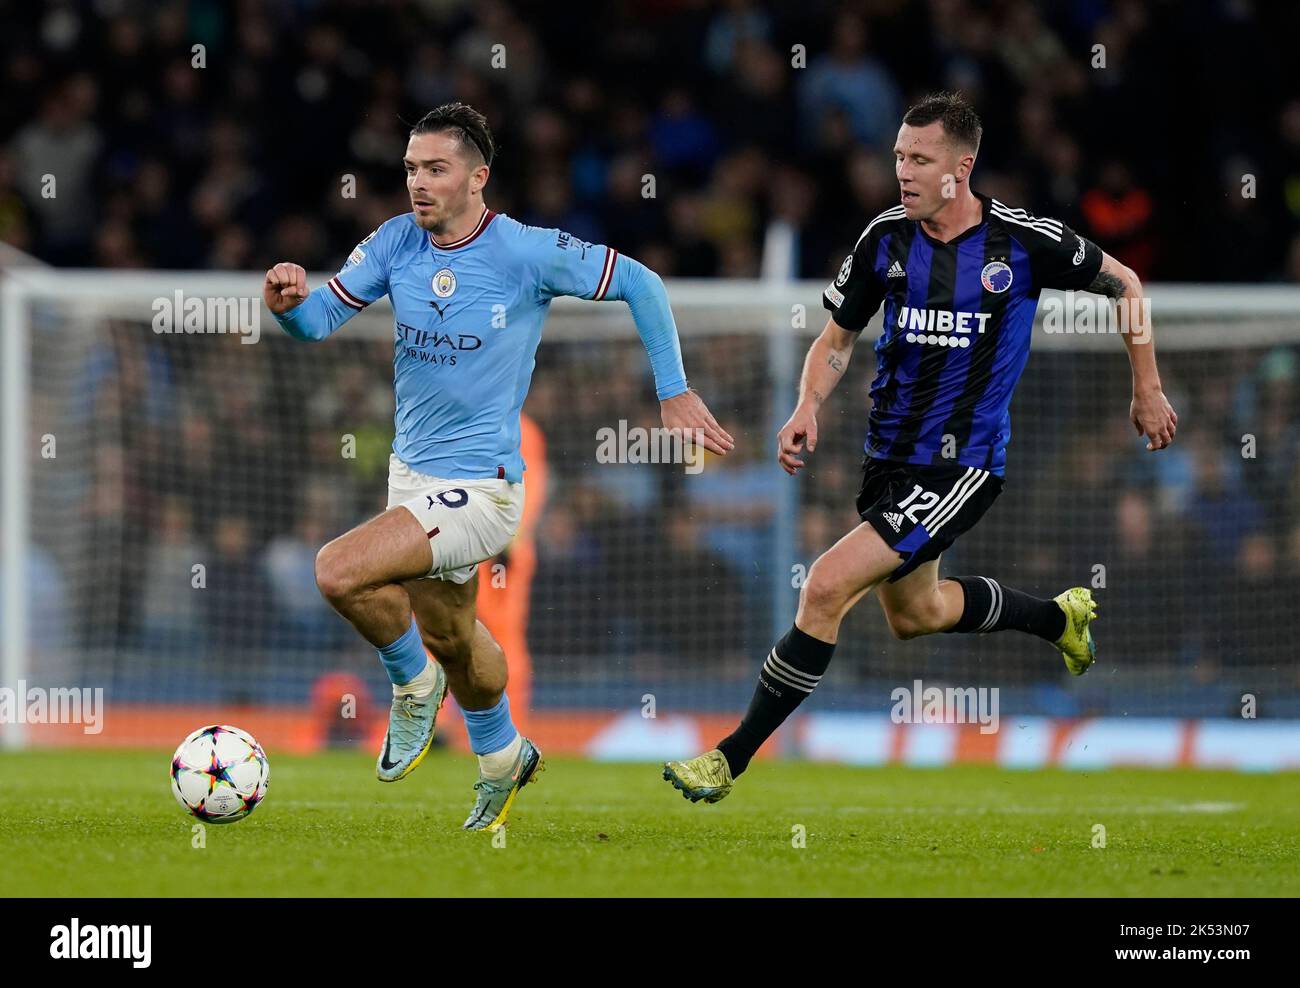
[466, 521]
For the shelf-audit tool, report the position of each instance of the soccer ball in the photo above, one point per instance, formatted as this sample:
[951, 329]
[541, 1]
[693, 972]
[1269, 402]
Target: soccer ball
[219, 773]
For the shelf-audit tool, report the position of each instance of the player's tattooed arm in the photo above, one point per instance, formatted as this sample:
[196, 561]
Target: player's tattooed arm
[1107, 283]
[837, 361]
[1149, 412]
[1119, 282]
[828, 359]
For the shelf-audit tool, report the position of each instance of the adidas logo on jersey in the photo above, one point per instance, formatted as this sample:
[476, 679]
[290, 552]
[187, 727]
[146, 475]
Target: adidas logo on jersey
[896, 271]
[895, 520]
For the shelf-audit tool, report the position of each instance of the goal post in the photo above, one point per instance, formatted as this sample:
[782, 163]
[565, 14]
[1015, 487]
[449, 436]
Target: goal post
[14, 506]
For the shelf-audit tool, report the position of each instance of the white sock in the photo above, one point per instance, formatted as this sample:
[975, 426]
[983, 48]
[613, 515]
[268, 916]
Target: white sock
[421, 686]
[498, 764]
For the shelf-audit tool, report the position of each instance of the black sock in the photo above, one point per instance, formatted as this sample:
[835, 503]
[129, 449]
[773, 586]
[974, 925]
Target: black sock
[992, 607]
[790, 674]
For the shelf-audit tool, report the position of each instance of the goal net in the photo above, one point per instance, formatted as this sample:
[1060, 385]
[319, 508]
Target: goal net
[168, 483]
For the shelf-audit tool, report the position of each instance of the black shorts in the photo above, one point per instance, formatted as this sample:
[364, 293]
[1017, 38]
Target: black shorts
[920, 510]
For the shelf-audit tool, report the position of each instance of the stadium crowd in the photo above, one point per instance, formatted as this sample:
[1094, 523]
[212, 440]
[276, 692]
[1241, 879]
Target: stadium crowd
[742, 111]
[246, 160]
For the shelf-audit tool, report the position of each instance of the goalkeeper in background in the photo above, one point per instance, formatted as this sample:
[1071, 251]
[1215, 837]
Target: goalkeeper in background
[470, 290]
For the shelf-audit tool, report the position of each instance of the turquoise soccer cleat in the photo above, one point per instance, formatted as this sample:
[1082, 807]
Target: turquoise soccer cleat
[496, 796]
[409, 737]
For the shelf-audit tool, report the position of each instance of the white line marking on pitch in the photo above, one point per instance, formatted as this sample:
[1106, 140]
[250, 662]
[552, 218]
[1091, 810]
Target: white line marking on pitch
[1202, 807]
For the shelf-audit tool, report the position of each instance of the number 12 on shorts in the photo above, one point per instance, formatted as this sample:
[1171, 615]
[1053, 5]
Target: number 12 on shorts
[925, 500]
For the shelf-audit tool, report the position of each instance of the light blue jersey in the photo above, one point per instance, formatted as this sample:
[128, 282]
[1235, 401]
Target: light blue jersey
[468, 317]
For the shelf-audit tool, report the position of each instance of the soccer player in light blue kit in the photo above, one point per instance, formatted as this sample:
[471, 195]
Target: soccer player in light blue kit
[470, 290]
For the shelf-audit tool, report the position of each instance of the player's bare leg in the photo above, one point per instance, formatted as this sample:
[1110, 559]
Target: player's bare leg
[362, 571]
[477, 674]
[917, 603]
[837, 581]
[922, 604]
[362, 574]
[445, 613]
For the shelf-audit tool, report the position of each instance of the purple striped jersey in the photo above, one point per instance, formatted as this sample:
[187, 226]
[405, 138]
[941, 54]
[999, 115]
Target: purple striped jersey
[957, 325]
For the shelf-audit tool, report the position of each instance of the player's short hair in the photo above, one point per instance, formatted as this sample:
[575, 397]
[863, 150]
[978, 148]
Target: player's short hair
[961, 124]
[468, 125]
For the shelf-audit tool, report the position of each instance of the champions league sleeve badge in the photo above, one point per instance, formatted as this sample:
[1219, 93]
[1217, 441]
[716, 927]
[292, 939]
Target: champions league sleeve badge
[845, 268]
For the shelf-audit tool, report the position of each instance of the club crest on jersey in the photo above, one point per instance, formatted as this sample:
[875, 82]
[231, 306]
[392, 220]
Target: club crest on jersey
[996, 277]
[845, 268]
[444, 283]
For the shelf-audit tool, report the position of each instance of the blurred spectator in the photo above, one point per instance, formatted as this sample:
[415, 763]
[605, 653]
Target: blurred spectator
[15, 216]
[700, 623]
[850, 81]
[160, 161]
[738, 24]
[1249, 636]
[695, 255]
[733, 499]
[1140, 555]
[51, 662]
[235, 605]
[683, 139]
[290, 566]
[171, 618]
[1119, 213]
[1272, 420]
[756, 104]
[570, 601]
[56, 156]
[1220, 509]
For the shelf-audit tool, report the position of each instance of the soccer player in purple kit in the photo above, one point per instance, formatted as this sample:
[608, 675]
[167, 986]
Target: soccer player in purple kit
[959, 275]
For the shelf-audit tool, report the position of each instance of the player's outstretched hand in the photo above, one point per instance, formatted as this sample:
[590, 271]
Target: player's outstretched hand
[285, 287]
[685, 415]
[801, 428]
[1153, 417]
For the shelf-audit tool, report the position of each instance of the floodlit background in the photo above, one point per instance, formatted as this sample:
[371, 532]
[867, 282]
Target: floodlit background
[191, 145]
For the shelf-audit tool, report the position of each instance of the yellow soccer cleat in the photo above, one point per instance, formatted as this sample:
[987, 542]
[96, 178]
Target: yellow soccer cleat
[1076, 643]
[706, 776]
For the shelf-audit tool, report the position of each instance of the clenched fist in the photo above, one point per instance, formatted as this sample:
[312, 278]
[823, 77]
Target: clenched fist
[285, 287]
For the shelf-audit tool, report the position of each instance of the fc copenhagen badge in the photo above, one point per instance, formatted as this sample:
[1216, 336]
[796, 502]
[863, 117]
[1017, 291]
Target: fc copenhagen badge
[996, 277]
[444, 283]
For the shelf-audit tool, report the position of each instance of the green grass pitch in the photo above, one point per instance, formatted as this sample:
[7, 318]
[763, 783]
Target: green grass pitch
[105, 824]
